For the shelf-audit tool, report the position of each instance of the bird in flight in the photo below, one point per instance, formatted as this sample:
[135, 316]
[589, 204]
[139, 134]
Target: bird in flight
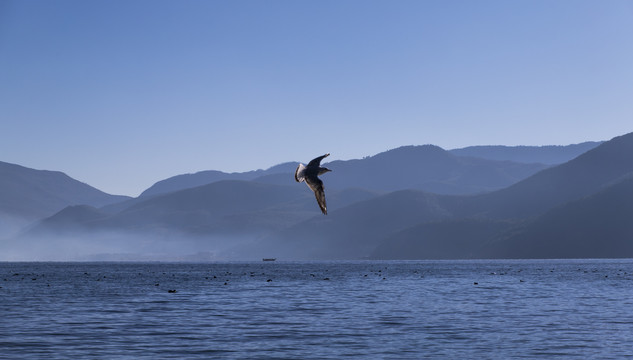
[310, 174]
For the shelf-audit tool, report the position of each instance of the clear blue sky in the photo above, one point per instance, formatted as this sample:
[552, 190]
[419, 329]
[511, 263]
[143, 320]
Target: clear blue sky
[121, 94]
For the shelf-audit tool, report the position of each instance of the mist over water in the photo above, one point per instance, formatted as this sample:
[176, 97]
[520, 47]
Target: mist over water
[148, 245]
[317, 310]
[125, 246]
[11, 225]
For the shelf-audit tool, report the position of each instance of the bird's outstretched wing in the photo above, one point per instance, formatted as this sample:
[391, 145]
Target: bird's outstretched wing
[317, 161]
[316, 185]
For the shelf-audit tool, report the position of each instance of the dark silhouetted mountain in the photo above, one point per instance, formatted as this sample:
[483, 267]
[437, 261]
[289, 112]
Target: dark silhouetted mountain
[598, 226]
[33, 194]
[550, 155]
[353, 231]
[582, 176]
[186, 181]
[449, 239]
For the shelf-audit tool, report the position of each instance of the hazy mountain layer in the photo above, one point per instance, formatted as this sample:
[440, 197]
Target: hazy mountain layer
[550, 154]
[223, 207]
[36, 193]
[428, 168]
[186, 181]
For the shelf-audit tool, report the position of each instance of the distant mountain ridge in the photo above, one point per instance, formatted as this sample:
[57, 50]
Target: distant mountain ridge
[548, 154]
[429, 168]
[425, 167]
[185, 181]
[33, 194]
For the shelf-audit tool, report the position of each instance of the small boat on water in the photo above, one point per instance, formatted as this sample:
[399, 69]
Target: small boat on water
[269, 259]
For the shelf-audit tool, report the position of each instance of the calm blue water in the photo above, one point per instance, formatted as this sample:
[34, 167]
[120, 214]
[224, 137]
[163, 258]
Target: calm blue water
[321, 310]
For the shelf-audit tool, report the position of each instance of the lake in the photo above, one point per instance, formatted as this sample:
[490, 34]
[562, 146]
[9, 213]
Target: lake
[317, 310]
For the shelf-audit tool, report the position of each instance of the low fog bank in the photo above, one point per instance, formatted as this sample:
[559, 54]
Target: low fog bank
[129, 246]
[12, 225]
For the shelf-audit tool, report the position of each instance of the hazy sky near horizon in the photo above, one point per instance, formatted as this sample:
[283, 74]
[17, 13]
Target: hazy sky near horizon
[121, 94]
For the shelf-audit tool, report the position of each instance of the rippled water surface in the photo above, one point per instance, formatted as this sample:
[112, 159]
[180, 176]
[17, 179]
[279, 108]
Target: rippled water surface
[320, 310]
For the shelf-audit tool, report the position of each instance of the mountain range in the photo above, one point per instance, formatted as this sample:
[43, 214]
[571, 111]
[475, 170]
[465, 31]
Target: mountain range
[550, 154]
[27, 195]
[429, 168]
[577, 209]
[413, 202]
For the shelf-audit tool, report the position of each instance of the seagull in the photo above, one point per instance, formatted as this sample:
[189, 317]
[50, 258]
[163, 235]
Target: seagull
[310, 174]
